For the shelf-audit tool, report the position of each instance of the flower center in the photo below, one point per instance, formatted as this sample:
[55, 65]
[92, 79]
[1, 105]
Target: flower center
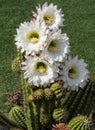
[49, 19]
[41, 67]
[72, 73]
[33, 37]
[53, 46]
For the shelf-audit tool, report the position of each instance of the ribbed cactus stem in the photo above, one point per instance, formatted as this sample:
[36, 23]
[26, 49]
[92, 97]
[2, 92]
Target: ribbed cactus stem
[91, 99]
[36, 115]
[26, 107]
[25, 96]
[50, 109]
[84, 99]
[82, 94]
[69, 98]
[44, 117]
[80, 102]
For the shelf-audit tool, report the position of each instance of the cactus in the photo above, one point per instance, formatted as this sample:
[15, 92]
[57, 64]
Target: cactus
[44, 117]
[80, 102]
[60, 115]
[44, 106]
[27, 109]
[57, 89]
[17, 115]
[5, 121]
[38, 94]
[81, 123]
[48, 93]
[16, 66]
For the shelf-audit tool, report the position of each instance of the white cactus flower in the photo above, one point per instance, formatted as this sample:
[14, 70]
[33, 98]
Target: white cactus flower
[39, 72]
[30, 37]
[75, 73]
[57, 46]
[50, 15]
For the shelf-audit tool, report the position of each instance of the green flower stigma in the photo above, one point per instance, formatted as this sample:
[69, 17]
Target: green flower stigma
[53, 46]
[41, 67]
[72, 73]
[33, 37]
[48, 19]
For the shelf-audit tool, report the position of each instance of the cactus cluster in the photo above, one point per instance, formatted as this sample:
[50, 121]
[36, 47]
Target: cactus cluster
[44, 112]
[49, 83]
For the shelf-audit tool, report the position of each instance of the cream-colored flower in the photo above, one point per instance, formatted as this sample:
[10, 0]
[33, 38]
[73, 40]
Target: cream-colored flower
[75, 73]
[50, 15]
[30, 37]
[39, 72]
[57, 46]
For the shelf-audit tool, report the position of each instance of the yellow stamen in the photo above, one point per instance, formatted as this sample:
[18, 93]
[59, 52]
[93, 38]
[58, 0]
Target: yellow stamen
[41, 67]
[33, 37]
[53, 47]
[72, 73]
[48, 19]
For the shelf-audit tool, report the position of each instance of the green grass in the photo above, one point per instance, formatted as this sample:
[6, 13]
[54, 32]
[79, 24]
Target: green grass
[79, 26]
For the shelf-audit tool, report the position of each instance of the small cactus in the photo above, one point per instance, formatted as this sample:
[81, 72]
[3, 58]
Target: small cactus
[48, 93]
[60, 115]
[81, 123]
[16, 114]
[16, 66]
[57, 89]
[38, 94]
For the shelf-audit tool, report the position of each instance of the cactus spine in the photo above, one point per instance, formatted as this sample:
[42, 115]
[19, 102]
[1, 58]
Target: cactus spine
[81, 123]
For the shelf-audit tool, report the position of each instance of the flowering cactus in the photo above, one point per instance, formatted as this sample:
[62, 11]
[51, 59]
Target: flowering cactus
[47, 71]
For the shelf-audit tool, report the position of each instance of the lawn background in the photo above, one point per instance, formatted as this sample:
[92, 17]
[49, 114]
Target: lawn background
[79, 26]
